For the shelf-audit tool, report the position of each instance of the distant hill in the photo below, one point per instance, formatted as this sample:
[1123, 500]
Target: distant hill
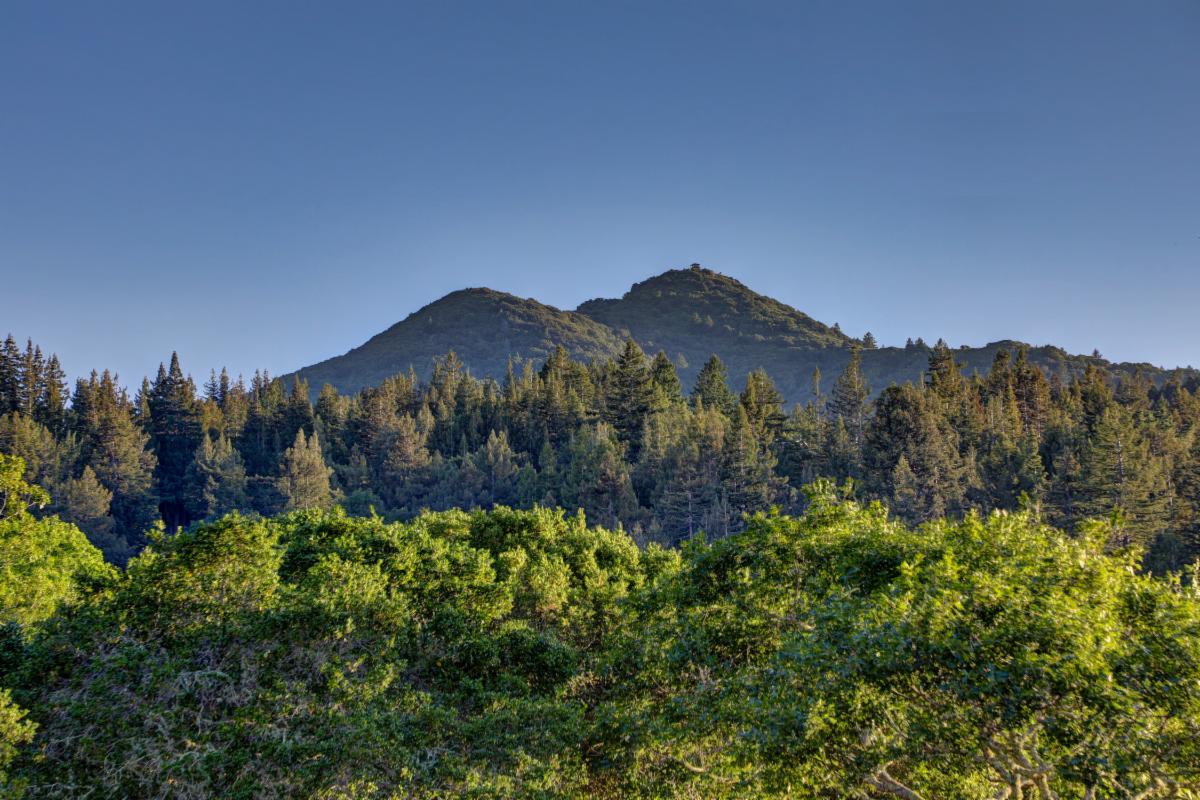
[687, 313]
[484, 327]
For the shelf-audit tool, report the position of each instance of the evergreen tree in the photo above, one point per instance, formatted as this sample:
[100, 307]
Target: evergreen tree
[763, 404]
[905, 491]
[818, 399]
[117, 450]
[849, 398]
[51, 408]
[405, 465]
[748, 480]
[499, 463]
[84, 502]
[597, 477]
[32, 377]
[175, 433]
[10, 376]
[664, 381]
[629, 396]
[712, 387]
[1121, 473]
[908, 422]
[303, 476]
[216, 480]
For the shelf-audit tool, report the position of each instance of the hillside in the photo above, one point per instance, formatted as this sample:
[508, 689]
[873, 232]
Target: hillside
[484, 327]
[687, 313]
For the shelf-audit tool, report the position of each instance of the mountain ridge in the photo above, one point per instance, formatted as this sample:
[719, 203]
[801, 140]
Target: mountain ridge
[687, 313]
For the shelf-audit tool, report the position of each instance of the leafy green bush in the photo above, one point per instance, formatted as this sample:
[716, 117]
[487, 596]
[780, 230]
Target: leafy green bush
[523, 654]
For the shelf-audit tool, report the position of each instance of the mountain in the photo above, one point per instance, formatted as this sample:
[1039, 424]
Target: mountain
[484, 327]
[687, 313]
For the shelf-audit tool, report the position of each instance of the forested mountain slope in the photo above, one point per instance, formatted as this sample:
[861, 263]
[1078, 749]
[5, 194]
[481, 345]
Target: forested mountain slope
[485, 328]
[689, 314]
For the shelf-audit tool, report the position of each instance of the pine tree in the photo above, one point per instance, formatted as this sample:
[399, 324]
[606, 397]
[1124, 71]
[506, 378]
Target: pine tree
[405, 468]
[52, 403]
[629, 396]
[10, 376]
[175, 433]
[909, 422]
[216, 480]
[32, 377]
[748, 479]
[48, 461]
[712, 387]
[499, 463]
[764, 406]
[664, 381]
[905, 491]
[1121, 473]
[303, 476]
[117, 450]
[85, 502]
[944, 377]
[849, 398]
[596, 478]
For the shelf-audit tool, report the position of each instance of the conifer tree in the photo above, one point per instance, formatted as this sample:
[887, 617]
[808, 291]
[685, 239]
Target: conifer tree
[905, 491]
[32, 376]
[216, 480]
[10, 376]
[303, 476]
[748, 479]
[85, 502]
[51, 408]
[596, 478]
[629, 396]
[1121, 473]
[665, 382]
[849, 398]
[764, 406]
[500, 466]
[118, 452]
[175, 433]
[712, 387]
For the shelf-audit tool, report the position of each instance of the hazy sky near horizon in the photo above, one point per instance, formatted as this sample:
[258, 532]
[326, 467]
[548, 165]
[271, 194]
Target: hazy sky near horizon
[268, 184]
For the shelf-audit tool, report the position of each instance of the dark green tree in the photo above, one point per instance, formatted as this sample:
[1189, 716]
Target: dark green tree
[175, 433]
[848, 399]
[712, 387]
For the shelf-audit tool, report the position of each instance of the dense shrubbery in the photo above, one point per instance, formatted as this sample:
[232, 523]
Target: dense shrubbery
[524, 654]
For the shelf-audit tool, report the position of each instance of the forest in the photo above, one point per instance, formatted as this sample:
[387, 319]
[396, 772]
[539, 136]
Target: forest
[587, 581]
[621, 439]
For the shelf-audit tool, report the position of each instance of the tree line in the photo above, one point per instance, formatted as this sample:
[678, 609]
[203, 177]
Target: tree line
[621, 439]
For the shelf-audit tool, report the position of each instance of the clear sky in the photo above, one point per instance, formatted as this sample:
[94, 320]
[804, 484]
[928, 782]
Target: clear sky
[266, 184]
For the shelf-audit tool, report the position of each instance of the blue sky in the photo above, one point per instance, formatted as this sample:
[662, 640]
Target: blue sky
[269, 184]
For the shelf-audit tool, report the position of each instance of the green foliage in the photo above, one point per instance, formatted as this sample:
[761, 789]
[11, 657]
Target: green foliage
[44, 563]
[522, 654]
[843, 654]
[300, 656]
[15, 731]
[304, 478]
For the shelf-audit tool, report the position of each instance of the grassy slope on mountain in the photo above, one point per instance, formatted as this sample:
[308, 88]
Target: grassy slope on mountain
[484, 327]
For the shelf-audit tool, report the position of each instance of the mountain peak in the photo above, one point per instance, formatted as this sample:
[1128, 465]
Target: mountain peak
[689, 313]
